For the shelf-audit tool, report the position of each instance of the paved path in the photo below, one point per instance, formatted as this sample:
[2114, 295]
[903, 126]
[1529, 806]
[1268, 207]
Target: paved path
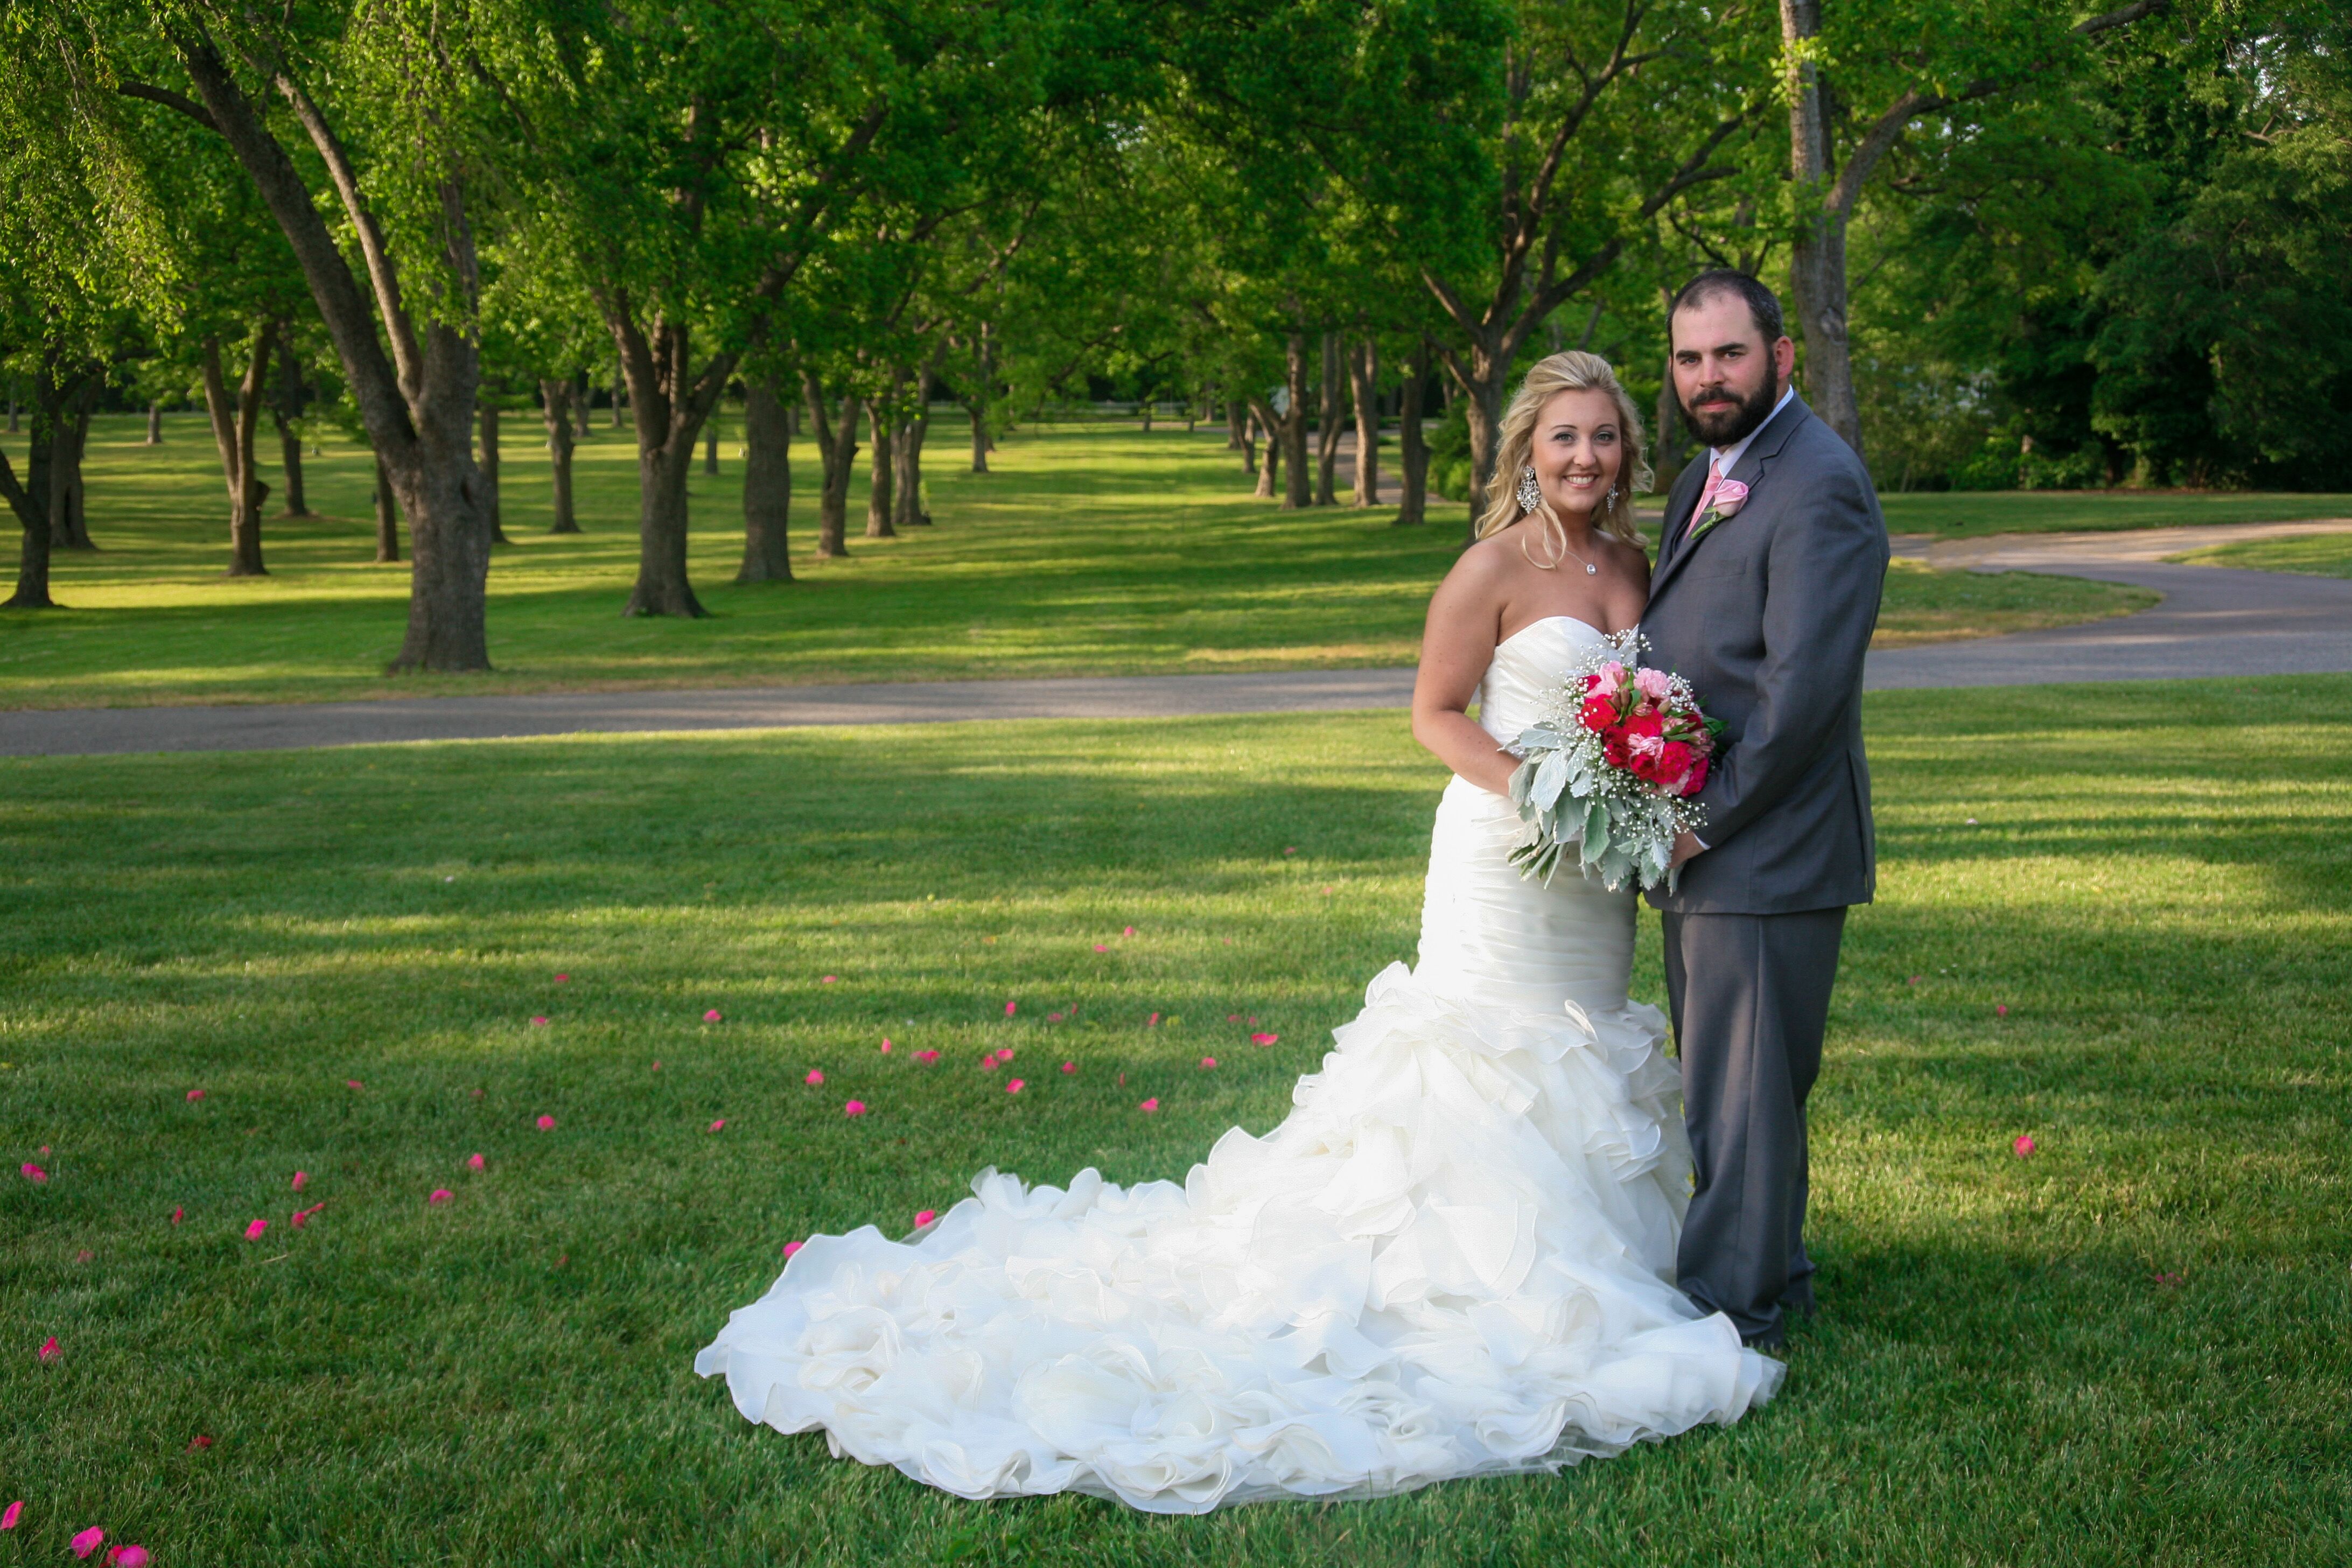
[2211, 622]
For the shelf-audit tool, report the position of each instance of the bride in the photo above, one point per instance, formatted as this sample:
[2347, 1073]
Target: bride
[1454, 1258]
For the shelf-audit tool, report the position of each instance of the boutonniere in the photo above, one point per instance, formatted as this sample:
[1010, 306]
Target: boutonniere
[1729, 497]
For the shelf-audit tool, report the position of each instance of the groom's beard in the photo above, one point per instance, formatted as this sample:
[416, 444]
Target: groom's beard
[1722, 426]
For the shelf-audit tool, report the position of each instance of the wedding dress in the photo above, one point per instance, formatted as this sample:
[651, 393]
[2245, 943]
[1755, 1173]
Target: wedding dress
[1454, 1258]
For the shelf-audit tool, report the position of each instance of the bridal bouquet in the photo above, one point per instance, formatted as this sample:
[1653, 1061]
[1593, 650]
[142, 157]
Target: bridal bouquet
[1607, 773]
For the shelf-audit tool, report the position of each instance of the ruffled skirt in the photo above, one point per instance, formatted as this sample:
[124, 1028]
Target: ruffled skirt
[1454, 1258]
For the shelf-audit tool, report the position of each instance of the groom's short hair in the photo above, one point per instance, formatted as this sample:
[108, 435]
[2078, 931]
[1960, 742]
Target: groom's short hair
[1763, 305]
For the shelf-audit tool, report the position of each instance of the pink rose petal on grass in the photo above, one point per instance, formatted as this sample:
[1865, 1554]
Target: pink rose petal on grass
[2025, 1144]
[1011, 1008]
[474, 1162]
[177, 1213]
[1069, 1067]
[562, 979]
[718, 1124]
[827, 979]
[886, 1044]
[1102, 947]
[816, 1076]
[1004, 1053]
[1290, 849]
[547, 1124]
[352, 1083]
[1263, 1039]
[132, 1556]
[791, 1247]
[439, 1195]
[2000, 1009]
[254, 1232]
[1152, 1022]
[1151, 1104]
[11, 1514]
[854, 1108]
[539, 1022]
[1128, 931]
[199, 1443]
[1208, 1062]
[48, 1350]
[87, 1542]
[925, 1216]
[714, 1016]
[927, 1058]
[1014, 1087]
[196, 1094]
[301, 1180]
[32, 1173]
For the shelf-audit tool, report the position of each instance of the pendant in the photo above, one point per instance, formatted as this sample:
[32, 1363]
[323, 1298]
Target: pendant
[1591, 570]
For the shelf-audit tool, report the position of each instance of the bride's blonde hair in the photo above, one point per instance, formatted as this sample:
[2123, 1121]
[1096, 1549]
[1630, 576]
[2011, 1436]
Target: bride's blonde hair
[1574, 371]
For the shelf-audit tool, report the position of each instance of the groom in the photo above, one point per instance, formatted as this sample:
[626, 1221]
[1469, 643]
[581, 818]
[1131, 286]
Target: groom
[1764, 596]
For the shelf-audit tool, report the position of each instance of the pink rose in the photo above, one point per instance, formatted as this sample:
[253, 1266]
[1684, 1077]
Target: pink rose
[1729, 497]
[1653, 683]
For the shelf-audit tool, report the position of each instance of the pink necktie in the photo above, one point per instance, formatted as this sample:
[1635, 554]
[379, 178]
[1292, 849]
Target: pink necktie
[1706, 496]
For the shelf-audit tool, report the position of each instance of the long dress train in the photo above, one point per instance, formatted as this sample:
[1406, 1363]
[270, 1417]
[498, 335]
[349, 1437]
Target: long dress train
[1454, 1258]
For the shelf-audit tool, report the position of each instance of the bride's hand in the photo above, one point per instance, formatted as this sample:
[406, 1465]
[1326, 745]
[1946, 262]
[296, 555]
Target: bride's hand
[1686, 847]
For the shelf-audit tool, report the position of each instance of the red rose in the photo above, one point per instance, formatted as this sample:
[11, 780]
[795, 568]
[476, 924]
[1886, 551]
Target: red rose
[1599, 713]
[1645, 724]
[1673, 759]
[1698, 777]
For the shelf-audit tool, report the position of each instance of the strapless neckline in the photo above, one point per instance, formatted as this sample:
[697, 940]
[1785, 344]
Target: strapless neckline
[1547, 620]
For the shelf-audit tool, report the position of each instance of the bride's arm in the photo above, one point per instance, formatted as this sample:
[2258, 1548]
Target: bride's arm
[1456, 646]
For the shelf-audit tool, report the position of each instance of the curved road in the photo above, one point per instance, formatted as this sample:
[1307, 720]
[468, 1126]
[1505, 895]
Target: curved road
[2211, 622]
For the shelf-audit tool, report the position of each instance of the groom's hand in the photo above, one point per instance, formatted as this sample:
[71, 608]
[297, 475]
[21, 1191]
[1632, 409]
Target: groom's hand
[1685, 846]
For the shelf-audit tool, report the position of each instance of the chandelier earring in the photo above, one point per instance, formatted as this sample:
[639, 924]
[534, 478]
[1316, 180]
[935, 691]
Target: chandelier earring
[1530, 493]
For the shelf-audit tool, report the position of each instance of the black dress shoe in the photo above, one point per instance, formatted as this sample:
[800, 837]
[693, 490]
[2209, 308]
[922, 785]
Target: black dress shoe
[1772, 1339]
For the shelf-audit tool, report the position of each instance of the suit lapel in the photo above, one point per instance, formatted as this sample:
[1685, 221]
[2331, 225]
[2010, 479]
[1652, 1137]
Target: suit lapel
[1747, 471]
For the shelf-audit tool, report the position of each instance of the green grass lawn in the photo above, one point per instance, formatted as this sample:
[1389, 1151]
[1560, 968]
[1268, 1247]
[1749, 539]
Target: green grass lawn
[1093, 549]
[2312, 554]
[1972, 514]
[2128, 1348]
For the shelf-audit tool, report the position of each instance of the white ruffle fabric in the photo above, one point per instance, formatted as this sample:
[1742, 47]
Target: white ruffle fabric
[1454, 1258]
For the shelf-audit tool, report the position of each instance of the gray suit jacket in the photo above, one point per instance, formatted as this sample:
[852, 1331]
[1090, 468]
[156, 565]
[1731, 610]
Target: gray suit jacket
[1769, 614]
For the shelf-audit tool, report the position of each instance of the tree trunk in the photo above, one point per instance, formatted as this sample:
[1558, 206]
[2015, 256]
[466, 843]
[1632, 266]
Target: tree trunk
[1327, 425]
[29, 501]
[285, 410]
[1146, 410]
[289, 461]
[767, 484]
[1412, 440]
[387, 520]
[882, 412]
[1268, 471]
[580, 396]
[1817, 253]
[979, 437]
[1666, 450]
[555, 411]
[68, 496]
[907, 477]
[1481, 380]
[412, 380]
[1297, 484]
[877, 485]
[233, 431]
[620, 380]
[154, 425]
[668, 403]
[710, 448]
[1237, 428]
[489, 463]
[836, 447]
[1363, 388]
